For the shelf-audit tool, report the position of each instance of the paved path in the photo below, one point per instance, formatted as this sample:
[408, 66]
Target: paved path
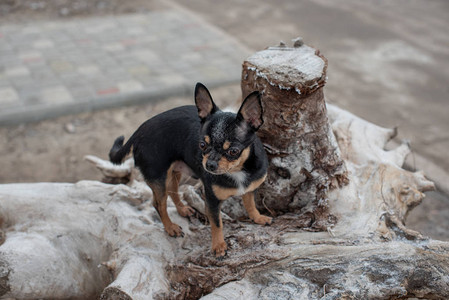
[53, 68]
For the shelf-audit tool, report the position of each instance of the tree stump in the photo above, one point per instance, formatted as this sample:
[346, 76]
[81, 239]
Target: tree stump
[305, 161]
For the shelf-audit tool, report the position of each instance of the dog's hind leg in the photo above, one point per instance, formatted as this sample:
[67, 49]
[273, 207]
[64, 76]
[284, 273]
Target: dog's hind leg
[173, 179]
[160, 203]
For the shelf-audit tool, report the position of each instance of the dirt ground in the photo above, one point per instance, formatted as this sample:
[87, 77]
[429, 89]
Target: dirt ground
[53, 150]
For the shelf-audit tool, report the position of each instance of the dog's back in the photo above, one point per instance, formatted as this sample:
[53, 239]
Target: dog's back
[161, 140]
[166, 138]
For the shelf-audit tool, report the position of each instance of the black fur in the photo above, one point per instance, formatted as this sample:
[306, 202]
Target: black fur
[118, 152]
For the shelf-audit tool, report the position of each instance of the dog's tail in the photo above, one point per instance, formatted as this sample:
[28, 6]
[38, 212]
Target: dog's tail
[119, 151]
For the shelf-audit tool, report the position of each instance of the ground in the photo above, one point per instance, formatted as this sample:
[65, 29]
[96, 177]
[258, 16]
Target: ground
[53, 150]
[35, 10]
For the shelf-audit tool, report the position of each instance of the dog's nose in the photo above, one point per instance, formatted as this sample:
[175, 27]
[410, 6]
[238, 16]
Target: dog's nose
[211, 165]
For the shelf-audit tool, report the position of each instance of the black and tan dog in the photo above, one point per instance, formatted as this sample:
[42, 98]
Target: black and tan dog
[220, 148]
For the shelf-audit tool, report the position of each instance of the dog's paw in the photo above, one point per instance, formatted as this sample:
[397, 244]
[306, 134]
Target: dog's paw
[219, 249]
[263, 220]
[185, 211]
[174, 230]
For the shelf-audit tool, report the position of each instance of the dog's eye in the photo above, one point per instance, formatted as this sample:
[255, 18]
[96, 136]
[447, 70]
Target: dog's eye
[203, 145]
[233, 151]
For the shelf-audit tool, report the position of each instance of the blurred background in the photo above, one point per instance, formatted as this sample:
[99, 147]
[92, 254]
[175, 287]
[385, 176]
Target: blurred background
[74, 75]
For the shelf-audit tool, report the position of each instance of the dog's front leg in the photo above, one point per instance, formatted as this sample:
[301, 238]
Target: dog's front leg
[250, 206]
[219, 246]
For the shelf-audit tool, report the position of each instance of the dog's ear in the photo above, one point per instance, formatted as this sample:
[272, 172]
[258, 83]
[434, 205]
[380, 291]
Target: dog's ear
[204, 102]
[251, 111]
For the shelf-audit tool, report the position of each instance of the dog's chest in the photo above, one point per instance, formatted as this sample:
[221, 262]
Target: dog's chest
[239, 179]
[239, 188]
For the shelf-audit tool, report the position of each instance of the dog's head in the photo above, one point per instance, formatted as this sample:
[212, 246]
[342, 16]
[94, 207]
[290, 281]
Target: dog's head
[225, 137]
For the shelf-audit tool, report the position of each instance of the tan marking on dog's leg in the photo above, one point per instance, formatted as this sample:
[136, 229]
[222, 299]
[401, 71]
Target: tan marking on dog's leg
[219, 246]
[250, 206]
[173, 178]
[160, 204]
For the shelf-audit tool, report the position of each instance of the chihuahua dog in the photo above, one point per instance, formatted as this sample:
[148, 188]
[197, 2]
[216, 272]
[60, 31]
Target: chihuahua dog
[220, 148]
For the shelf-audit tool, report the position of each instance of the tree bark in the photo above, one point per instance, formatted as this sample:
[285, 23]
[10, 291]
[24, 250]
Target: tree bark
[305, 161]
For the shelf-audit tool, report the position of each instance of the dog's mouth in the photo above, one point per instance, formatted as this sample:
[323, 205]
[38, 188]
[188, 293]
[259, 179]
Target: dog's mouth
[217, 172]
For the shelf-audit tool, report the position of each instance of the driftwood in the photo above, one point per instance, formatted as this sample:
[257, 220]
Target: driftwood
[92, 239]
